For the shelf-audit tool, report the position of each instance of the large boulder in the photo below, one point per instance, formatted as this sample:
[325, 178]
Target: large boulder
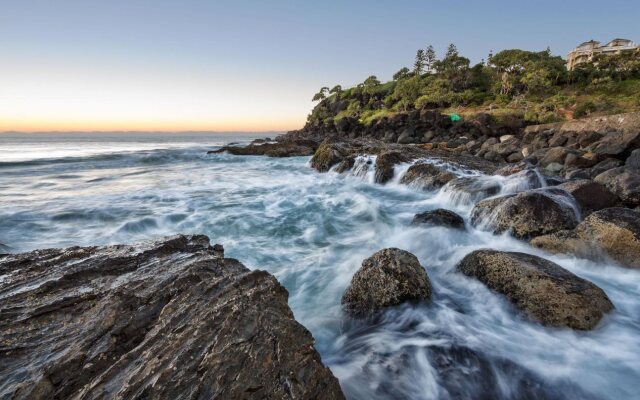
[385, 163]
[543, 290]
[426, 176]
[387, 278]
[439, 217]
[623, 182]
[325, 157]
[614, 232]
[590, 196]
[168, 319]
[527, 214]
[617, 143]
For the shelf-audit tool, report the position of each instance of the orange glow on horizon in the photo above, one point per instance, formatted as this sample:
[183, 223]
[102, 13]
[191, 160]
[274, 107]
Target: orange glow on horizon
[165, 125]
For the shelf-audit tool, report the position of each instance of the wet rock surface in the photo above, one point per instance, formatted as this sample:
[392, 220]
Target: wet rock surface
[623, 182]
[590, 196]
[387, 278]
[426, 176]
[439, 217]
[166, 319]
[526, 214]
[543, 290]
[283, 148]
[612, 232]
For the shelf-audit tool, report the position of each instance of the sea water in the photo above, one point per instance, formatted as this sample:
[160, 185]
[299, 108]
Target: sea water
[312, 231]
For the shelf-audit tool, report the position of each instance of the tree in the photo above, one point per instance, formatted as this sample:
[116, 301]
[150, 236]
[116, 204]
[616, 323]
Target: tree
[321, 95]
[402, 74]
[455, 68]
[336, 89]
[418, 66]
[407, 91]
[430, 58]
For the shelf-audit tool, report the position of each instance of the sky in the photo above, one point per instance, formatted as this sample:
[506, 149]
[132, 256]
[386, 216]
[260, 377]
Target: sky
[241, 65]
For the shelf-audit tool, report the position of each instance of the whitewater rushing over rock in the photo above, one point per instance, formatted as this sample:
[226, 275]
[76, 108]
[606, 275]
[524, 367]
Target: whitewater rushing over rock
[312, 231]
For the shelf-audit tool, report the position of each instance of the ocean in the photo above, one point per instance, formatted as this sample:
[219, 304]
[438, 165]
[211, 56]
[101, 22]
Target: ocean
[312, 231]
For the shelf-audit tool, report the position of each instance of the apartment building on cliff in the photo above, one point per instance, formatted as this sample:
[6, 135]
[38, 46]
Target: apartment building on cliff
[587, 50]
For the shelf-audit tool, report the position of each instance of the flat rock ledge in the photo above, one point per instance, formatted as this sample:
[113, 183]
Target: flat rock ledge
[388, 278]
[544, 291]
[165, 319]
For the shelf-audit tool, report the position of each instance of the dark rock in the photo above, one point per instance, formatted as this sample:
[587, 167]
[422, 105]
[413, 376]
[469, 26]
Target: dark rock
[439, 217]
[390, 137]
[590, 196]
[406, 136]
[426, 176]
[387, 278]
[617, 144]
[543, 290]
[345, 165]
[290, 148]
[633, 161]
[169, 319]
[588, 138]
[527, 214]
[623, 182]
[605, 165]
[385, 164]
[612, 231]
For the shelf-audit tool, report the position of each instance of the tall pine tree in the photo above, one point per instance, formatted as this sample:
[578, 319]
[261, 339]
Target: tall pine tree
[429, 58]
[418, 66]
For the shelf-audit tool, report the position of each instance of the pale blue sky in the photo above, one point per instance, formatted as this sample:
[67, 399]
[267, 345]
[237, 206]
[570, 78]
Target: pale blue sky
[253, 65]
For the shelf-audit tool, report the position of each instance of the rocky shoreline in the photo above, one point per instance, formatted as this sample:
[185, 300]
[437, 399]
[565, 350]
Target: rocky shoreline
[571, 187]
[165, 319]
[174, 318]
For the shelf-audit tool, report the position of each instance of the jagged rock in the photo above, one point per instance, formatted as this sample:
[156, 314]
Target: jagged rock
[614, 231]
[439, 217]
[385, 163]
[623, 182]
[527, 214]
[426, 176]
[590, 196]
[325, 157]
[387, 278]
[289, 148]
[543, 290]
[169, 319]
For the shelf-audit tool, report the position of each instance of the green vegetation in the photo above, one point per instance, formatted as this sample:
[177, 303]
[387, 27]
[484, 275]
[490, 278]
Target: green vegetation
[512, 85]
